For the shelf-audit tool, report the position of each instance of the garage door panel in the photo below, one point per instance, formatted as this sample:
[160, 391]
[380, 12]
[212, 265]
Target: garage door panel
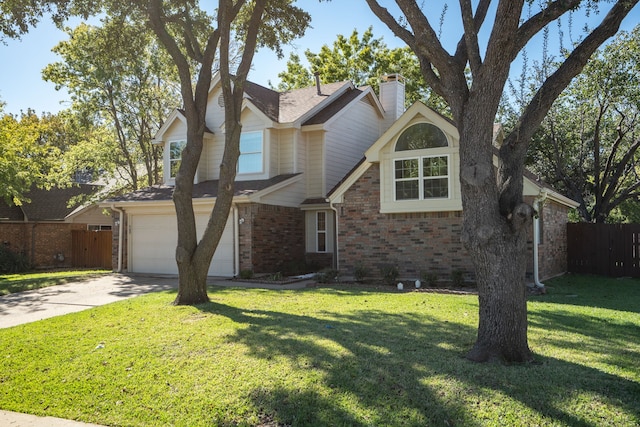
[154, 239]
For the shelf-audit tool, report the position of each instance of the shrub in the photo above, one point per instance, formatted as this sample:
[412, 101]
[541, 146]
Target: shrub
[12, 262]
[389, 274]
[328, 275]
[429, 279]
[246, 274]
[457, 278]
[360, 272]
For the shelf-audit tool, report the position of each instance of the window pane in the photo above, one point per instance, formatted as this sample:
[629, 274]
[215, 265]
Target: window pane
[322, 221]
[175, 150]
[421, 136]
[436, 188]
[407, 169]
[322, 242]
[407, 190]
[251, 142]
[175, 165]
[250, 160]
[435, 166]
[250, 163]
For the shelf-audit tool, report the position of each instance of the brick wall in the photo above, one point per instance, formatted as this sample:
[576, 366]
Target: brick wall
[115, 216]
[424, 242]
[553, 248]
[41, 242]
[271, 237]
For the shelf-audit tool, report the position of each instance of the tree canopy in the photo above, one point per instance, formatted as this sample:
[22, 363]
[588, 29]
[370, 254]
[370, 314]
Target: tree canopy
[587, 146]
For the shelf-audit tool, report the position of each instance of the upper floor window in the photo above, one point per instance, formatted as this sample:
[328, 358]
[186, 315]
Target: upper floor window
[251, 153]
[175, 156]
[421, 136]
[425, 176]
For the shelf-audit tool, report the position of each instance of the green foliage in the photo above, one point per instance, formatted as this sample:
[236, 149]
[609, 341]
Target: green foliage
[389, 274]
[429, 279]
[362, 60]
[327, 275]
[117, 75]
[457, 278]
[587, 147]
[12, 262]
[29, 155]
[360, 272]
[246, 274]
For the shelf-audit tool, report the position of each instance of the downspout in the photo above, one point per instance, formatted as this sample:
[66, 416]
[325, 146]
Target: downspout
[537, 204]
[120, 235]
[336, 262]
[236, 240]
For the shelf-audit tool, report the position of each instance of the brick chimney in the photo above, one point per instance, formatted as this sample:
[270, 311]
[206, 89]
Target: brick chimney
[392, 98]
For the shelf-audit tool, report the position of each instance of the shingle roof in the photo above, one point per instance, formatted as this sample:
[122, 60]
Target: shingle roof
[333, 108]
[206, 189]
[46, 205]
[287, 107]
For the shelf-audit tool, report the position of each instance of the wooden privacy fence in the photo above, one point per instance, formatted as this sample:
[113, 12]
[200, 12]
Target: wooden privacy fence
[91, 249]
[604, 249]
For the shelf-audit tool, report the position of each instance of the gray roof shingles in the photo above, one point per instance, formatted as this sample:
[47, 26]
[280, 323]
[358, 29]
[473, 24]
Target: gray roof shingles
[46, 205]
[206, 189]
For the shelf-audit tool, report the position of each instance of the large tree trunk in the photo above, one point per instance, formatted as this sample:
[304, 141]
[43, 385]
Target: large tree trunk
[496, 240]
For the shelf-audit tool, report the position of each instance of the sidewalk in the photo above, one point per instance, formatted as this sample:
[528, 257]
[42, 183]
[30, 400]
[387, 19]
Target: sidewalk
[30, 306]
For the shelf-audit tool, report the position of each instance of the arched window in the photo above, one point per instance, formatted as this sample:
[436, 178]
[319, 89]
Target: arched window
[420, 136]
[424, 176]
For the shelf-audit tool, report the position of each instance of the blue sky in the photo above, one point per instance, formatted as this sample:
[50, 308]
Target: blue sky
[22, 87]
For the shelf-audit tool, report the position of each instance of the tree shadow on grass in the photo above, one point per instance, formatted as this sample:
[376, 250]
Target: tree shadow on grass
[376, 368]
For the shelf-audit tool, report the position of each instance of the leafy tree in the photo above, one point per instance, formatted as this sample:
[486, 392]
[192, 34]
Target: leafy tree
[190, 35]
[496, 220]
[118, 76]
[588, 144]
[362, 61]
[27, 158]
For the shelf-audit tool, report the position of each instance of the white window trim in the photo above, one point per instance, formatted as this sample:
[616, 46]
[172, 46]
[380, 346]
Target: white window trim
[262, 152]
[421, 178]
[318, 232]
[170, 160]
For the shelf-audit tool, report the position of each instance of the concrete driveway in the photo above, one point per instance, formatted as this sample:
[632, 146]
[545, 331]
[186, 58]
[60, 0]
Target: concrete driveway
[29, 306]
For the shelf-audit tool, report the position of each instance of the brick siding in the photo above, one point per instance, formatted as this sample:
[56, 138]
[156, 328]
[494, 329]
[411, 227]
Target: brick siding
[41, 242]
[271, 237]
[427, 242]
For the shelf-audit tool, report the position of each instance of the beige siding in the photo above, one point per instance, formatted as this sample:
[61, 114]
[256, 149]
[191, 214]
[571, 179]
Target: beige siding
[93, 216]
[292, 195]
[347, 140]
[314, 164]
[286, 152]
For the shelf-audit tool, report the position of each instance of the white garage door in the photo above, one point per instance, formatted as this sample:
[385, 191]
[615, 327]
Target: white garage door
[153, 245]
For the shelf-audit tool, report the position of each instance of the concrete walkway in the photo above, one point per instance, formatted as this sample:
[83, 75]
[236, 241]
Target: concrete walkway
[30, 306]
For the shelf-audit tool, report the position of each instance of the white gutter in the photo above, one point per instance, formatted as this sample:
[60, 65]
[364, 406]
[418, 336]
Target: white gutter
[120, 235]
[537, 204]
[236, 240]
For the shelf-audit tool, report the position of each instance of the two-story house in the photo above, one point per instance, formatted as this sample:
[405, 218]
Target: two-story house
[330, 175]
[295, 147]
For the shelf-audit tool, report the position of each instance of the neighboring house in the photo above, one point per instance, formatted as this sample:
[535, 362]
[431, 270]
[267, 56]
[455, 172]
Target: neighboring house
[303, 192]
[50, 234]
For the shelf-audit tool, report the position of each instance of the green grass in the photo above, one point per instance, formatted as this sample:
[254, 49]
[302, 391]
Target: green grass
[329, 357]
[12, 283]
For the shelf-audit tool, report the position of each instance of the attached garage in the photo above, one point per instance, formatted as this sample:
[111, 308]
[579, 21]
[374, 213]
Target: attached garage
[153, 239]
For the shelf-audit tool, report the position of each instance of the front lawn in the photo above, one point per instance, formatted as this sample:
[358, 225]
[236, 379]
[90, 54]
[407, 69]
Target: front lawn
[329, 357]
[11, 283]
